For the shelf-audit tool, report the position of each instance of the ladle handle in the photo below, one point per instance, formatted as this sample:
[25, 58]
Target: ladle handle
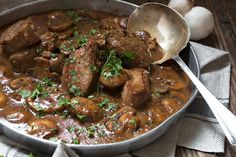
[226, 119]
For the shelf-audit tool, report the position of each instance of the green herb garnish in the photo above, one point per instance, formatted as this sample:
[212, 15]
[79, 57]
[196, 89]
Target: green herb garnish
[39, 50]
[103, 102]
[82, 118]
[92, 32]
[71, 129]
[80, 130]
[75, 90]
[74, 16]
[111, 107]
[81, 40]
[129, 55]
[53, 55]
[133, 121]
[94, 68]
[91, 130]
[25, 93]
[112, 66]
[74, 75]
[76, 141]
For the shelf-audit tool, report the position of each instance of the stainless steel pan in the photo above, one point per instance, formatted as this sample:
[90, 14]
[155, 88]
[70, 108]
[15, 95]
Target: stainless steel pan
[111, 6]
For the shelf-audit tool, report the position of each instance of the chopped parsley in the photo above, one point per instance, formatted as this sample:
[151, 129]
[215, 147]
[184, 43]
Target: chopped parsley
[39, 50]
[63, 101]
[80, 130]
[71, 60]
[75, 90]
[111, 107]
[74, 75]
[71, 129]
[24, 93]
[91, 130]
[112, 66]
[133, 121]
[48, 82]
[82, 118]
[92, 32]
[81, 40]
[94, 68]
[65, 114]
[67, 46]
[103, 102]
[31, 155]
[53, 55]
[74, 16]
[37, 91]
[74, 102]
[76, 141]
[129, 55]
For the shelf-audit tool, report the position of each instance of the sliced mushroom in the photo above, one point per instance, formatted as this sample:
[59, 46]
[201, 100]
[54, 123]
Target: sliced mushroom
[16, 114]
[122, 121]
[42, 128]
[22, 82]
[56, 101]
[3, 99]
[114, 81]
[59, 21]
[86, 110]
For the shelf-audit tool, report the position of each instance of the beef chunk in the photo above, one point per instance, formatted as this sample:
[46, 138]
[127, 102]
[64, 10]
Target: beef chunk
[78, 71]
[42, 69]
[137, 90]
[22, 61]
[18, 36]
[110, 23]
[129, 44]
[59, 21]
[56, 64]
[49, 41]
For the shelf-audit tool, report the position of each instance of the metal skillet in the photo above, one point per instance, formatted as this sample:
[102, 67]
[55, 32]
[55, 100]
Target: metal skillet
[111, 6]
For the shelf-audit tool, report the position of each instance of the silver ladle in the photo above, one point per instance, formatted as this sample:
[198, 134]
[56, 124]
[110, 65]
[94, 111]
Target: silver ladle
[173, 33]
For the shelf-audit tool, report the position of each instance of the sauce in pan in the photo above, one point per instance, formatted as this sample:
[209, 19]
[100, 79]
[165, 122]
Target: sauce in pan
[79, 77]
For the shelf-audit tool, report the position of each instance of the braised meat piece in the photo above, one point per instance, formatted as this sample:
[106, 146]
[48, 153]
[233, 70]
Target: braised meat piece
[131, 48]
[22, 61]
[136, 90]
[78, 73]
[58, 21]
[42, 69]
[18, 36]
[86, 110]
[57, 63]
[48, 41]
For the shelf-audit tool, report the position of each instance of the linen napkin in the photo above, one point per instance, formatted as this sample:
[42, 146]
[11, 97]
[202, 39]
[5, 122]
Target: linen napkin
[198, 129]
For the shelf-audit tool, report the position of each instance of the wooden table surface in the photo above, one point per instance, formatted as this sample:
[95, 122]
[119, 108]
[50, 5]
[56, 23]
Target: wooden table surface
[224, 38]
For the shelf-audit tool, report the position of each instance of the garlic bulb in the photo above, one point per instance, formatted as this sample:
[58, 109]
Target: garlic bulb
[200, 21]
[182, 6]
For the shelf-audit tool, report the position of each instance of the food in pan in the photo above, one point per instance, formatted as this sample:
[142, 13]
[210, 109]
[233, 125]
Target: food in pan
[78, 76]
